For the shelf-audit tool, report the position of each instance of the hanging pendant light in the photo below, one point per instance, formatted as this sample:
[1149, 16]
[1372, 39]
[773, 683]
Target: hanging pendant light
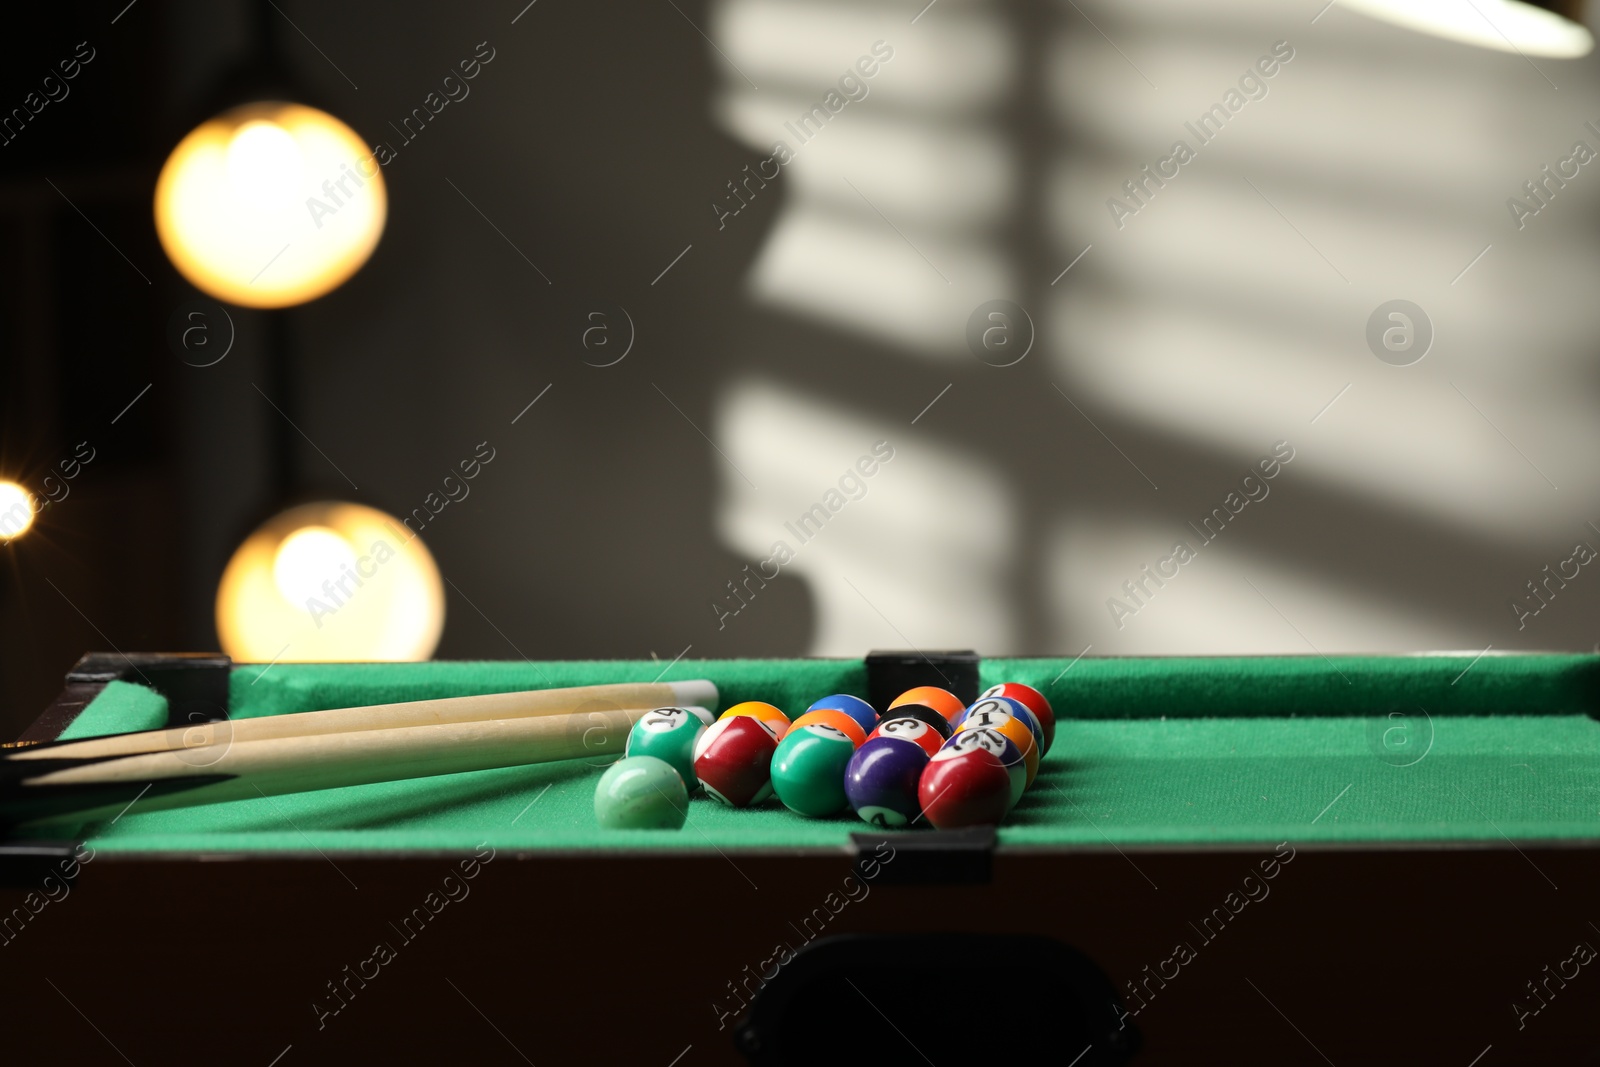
[1549, 28]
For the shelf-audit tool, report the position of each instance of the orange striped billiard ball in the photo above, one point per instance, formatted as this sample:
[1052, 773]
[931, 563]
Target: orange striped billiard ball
[839, 720]
[760, 710]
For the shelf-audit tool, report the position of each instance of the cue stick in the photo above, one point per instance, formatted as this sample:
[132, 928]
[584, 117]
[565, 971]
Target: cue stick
[97, 788]
[697, 693]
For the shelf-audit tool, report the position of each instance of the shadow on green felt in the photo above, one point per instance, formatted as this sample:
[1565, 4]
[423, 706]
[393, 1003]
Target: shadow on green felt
[445, 801]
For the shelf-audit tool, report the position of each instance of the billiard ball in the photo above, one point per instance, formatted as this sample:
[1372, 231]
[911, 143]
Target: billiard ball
[669, 734]
[765, 712]
[1033, 700]
[910, 728]
[1012, 726]
[1004, 749]
[855, 707]
[838, 720]
[880, 781]
[935, 719]
[809, 765]
[641, 793]
[943, 701]
[964, 787]
[1007, 706]
[733, 760]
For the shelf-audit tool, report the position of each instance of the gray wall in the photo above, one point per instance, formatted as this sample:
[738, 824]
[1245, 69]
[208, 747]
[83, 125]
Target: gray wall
[826, 315]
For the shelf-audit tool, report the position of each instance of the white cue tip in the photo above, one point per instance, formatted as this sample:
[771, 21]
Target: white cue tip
[697, 693]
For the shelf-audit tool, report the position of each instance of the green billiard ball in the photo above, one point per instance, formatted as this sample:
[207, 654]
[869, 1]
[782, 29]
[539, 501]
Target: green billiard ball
[808, 769]
[641, 793]
[669, 734]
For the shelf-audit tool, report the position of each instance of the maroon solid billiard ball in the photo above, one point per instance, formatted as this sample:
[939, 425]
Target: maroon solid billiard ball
[909, 728]
[964, 787]
[733, 760]
[1034, 701]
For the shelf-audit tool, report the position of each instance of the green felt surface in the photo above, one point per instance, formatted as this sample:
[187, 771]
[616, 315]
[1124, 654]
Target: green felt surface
[122, 707]
[1148, 751]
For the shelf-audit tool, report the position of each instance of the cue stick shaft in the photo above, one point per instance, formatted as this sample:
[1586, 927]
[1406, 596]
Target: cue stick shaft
[96, 790]
[518, 705]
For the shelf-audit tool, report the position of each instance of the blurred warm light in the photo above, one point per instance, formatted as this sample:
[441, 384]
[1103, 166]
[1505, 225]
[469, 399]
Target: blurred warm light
[16, 511]
[1508, 25]
[270, 205]
[305, 557]
[331, 582]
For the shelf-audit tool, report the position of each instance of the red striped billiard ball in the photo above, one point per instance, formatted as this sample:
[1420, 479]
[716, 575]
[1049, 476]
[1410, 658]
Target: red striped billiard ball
[1031, 699]
[909, 728]
[964, 787]
[934, 718]
[733, 760]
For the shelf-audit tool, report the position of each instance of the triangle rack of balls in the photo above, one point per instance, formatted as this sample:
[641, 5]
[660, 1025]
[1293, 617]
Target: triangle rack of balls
[927, 760]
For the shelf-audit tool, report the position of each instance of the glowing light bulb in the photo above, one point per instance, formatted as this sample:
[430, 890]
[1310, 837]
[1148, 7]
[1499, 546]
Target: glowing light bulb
[330, 581]
[270, 205]
[16, 511]
[306, 559]
[265, 165]
[1506, 25]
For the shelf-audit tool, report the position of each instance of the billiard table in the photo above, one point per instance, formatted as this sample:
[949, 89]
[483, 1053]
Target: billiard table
[1267, 859]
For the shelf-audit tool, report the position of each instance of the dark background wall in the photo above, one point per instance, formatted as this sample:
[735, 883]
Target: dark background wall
[588, 143]
[80, 337]
[594, 145]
